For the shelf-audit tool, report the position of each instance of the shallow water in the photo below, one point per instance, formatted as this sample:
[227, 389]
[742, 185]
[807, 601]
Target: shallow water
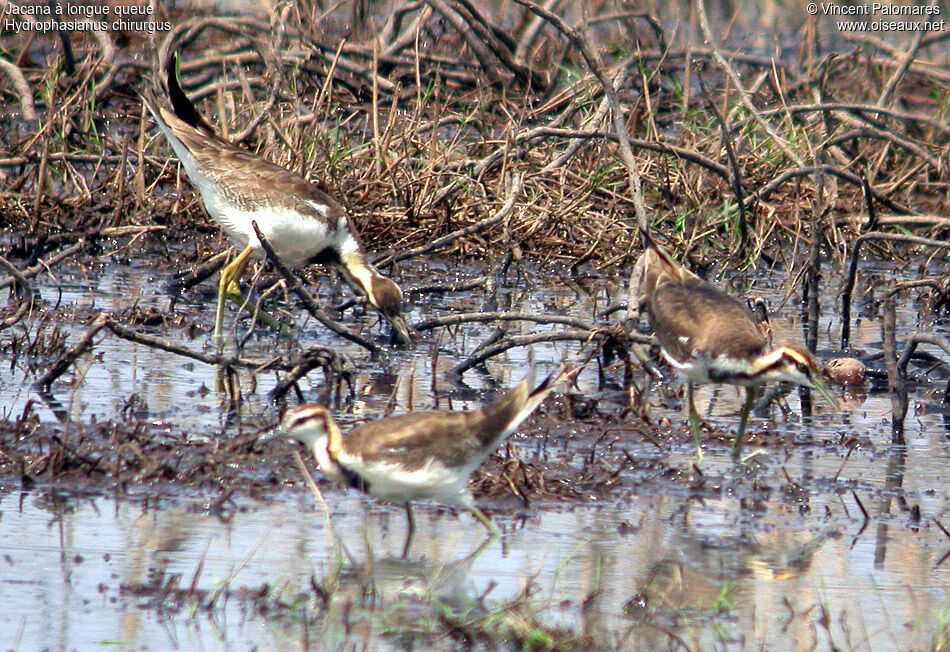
[644, 563]
[784, 561]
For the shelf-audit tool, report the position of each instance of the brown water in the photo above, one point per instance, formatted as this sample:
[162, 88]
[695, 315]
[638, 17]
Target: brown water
[780, 557]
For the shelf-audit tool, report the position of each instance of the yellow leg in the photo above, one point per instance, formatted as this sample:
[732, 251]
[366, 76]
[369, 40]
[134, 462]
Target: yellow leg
[227, 287]
[695, 422]
[227, 384]
[234, 294]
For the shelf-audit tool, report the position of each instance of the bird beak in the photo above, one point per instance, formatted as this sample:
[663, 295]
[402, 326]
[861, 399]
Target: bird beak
[401, 332]
[822, 388]
[269, 436]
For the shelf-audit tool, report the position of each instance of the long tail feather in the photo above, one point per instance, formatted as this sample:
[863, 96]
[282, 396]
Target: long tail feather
[151, 103]
[522, 403]
[182, 106]
[660, 262]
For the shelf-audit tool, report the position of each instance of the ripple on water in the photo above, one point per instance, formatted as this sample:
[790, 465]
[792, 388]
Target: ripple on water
[722, 568]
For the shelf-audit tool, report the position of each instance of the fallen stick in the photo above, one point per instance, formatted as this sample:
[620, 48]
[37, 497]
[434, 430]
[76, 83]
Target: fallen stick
[521, 340]
[483, 317]
[24, 302]
[295, 286]
[80, 347]
[315, 356]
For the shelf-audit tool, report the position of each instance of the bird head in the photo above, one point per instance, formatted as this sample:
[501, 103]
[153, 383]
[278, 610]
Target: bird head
[796, 366]
[315, 427]
[384, 295]
[311, 425]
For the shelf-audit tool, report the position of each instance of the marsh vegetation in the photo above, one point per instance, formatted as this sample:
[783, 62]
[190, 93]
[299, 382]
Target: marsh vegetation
[498, 160]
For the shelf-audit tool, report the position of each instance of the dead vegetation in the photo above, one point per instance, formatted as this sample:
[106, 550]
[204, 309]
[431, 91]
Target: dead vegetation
[419, 141]
[530, 132]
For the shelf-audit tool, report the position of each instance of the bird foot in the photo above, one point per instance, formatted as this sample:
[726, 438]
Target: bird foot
[233, 293]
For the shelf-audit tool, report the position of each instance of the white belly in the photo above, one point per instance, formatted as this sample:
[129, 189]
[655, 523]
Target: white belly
[296, 238]
[434, 480]
[697, 370]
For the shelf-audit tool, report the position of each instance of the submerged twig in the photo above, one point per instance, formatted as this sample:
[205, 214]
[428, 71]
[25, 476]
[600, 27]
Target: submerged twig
[853, 271]
[190, 278]
[45, 265]
[895, 379]
[911, 345]
[486, 317]
[25, 301]
[316, 356]
[514, 341]
[315, 490]
[80, 347]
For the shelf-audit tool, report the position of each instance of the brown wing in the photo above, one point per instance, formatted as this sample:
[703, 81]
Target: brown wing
[696, 317]
[247, 177]
[454, 438]
[416, 438]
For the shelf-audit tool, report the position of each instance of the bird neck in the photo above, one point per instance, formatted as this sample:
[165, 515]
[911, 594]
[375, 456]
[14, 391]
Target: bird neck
[334, 443]
[359, 273]
[327, 451]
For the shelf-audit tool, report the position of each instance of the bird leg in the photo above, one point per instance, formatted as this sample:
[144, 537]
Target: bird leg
[410, 530]
[229, 277]
[695, 422]
[750, 393]
[228, 288]
[487, 522]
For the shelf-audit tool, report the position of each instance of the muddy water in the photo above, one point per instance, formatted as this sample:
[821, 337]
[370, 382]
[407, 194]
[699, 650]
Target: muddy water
[783, 558]
[648, 564]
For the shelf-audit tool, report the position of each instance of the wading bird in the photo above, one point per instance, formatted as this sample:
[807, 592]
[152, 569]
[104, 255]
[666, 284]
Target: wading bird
[301, 223]
[709, 336]
[426, 454]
